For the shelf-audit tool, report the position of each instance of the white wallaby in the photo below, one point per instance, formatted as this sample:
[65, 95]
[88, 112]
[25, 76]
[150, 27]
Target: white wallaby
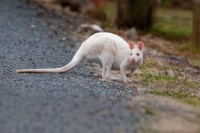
[108, 50]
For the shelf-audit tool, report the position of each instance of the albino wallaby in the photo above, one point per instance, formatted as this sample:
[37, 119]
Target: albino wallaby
[108, 50]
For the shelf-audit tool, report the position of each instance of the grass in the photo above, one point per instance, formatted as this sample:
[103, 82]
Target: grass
[153, 77]
[172, 23]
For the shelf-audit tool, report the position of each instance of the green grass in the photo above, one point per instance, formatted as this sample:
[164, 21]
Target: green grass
[172, 23]
[148, 79]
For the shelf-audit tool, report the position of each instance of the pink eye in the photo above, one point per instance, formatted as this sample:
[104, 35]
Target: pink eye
[138, 54]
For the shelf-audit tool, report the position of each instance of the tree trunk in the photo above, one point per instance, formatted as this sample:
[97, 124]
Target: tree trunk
[196, 23]
[134, 13]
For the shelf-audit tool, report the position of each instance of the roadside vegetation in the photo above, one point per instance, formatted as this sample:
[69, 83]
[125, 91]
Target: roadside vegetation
[152, 76]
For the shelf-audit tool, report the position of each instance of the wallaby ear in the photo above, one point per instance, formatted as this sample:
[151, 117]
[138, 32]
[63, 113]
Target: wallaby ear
[131, 44]
[140, 45]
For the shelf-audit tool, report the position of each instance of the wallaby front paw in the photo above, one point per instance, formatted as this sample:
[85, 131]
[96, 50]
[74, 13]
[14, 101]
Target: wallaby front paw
[129, 80]
[125, 80]
[104, 80]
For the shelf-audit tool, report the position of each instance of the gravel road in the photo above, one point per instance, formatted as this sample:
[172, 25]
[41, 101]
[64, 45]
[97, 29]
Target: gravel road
[73, 102]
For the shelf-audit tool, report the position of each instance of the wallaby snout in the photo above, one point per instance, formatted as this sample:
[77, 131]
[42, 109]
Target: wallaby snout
[133, 60]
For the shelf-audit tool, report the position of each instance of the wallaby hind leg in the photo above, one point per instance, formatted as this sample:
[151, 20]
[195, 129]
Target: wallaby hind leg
[103, 72]
[106, 70]
[107, 64]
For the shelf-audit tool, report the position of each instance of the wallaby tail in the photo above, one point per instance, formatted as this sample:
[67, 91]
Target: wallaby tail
[74, 62]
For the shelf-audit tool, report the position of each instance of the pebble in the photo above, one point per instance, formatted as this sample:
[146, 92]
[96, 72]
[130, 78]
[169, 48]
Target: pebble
[170, 73]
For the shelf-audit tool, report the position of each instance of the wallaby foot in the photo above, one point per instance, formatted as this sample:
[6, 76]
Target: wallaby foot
[119, 78]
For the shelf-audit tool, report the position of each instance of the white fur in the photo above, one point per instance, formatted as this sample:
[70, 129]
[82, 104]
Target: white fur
[108, 50]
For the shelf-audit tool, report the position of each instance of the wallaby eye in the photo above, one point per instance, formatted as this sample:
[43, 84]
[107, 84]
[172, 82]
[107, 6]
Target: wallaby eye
[138, 54]
[131, 53]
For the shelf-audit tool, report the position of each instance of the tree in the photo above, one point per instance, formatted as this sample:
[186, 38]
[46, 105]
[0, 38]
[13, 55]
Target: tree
[196, 23]
[137, 13]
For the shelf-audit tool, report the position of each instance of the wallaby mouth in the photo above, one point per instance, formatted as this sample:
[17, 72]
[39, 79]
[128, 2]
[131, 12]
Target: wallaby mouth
[133, 60]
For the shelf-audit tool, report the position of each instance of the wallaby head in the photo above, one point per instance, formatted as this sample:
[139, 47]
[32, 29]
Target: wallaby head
[136, 51]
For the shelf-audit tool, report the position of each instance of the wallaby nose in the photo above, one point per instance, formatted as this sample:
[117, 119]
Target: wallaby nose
[133, 60]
